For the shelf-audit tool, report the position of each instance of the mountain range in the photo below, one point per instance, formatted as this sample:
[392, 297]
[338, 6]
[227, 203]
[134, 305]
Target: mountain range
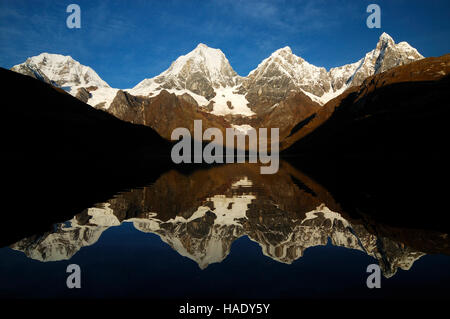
[327, 110]
[282, 90]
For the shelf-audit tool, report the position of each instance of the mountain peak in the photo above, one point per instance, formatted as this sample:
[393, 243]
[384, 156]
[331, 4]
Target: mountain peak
[201, 72]
[51, 58]
[285, 50]
[384, 35]
[202, 53]
[385, 39]
[386, 55]
[61, 70]
[209, 61]
[205, 50]
[201, 46]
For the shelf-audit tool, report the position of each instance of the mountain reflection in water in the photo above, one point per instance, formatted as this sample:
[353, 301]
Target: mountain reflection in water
[200, 216]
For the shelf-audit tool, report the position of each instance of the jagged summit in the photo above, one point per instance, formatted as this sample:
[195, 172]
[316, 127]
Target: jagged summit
[277, 57]
[45, 56]
[204, 73]
[201, 45]
[211, 62]
[386, 55]
[285, 49]
[384, 37]
[386, 40]
[281, 73]
[60, 70]
[201, 71]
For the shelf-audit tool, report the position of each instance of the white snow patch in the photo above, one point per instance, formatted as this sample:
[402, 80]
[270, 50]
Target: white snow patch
[103, 216]
[220, 107]
[327, 213]
[243, 129]
[245, 182]
[100, 95]
[228, 210]
[238, 102]
[326, 96]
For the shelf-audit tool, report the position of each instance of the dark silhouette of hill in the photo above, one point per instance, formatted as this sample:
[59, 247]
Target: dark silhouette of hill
[403, 110]
[60, 155]
[381, 148]
[44, 122]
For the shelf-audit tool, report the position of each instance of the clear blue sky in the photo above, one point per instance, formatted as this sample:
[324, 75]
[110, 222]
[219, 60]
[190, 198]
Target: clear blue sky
[127, 41]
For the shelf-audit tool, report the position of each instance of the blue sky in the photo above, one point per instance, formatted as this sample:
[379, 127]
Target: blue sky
[127, 41]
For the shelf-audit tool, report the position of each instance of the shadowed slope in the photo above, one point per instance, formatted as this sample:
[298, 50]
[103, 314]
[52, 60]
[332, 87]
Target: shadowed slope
[60, 155]
[404, 109]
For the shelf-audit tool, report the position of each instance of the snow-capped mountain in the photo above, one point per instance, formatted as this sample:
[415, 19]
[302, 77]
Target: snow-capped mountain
[207, 76]
[280, 74]
[385, 56]
[284, 72]
[63, 71]
[60, 70]
[200, 71]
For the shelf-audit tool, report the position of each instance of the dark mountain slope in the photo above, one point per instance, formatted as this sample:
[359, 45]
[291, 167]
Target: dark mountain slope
[60, 156]
[402, 110]
[40, 121]
[381, 148]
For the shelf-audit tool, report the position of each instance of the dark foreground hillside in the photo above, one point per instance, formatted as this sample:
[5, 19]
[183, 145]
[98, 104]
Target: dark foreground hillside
[381, 148]
[44, 122]
[60, 155]
[401, 111]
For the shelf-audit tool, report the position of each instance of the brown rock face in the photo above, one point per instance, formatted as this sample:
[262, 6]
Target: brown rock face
[128, 107]
[297, 107]
[164, 112]
[167, 111]
[83, 95]
[318, 118]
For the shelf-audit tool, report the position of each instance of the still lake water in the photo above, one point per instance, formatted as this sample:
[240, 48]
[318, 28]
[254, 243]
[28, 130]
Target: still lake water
[226, 231]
